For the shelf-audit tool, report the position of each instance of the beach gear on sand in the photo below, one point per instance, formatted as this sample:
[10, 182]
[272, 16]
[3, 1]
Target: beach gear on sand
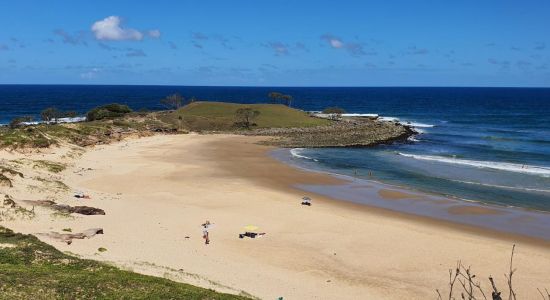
[251, 232]
[252, 235]
[306, 201]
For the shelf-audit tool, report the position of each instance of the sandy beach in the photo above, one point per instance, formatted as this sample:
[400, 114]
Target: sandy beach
[156, 191]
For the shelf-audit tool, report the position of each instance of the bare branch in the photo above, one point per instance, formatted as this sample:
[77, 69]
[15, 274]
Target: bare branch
[441, 298]
[512, 294]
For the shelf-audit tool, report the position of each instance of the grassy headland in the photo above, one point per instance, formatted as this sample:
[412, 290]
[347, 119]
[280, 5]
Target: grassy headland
[199, 116]
[290, 127]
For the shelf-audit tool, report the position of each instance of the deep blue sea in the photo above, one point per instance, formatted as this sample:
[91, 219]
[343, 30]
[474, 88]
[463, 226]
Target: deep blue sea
[481, 144]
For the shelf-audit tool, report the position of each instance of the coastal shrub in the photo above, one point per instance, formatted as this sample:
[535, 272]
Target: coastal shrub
[50, 114]
[334, 110]
[244, 117]
[53, 114]
[109, 111]
[280, 98]
[174, 101]
[19, 121]
[335, 113]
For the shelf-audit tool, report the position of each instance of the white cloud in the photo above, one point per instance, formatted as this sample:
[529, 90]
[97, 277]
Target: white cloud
[155, 33]
[336, 43]
[90, 74]
[110, 29]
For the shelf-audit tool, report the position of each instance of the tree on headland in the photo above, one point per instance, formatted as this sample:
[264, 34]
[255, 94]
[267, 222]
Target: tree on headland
[50, 114]
[244, 117]
[19, 121]
[173, 101]
[335, 113]
[277, 97]
[109, 111]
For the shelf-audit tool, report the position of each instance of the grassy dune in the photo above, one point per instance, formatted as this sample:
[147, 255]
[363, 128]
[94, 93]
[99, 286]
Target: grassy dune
[31, 269]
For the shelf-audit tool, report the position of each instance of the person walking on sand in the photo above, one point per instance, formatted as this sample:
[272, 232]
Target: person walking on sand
[205, 234]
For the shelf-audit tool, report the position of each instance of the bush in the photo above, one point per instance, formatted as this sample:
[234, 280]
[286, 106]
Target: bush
[334, 110]
[16, 122]
[109, 111]
[50, 114]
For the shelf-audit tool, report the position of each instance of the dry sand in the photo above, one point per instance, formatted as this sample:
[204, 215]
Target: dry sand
[157, 191]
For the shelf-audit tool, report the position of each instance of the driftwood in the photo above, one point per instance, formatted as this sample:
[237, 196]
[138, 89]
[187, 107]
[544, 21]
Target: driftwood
[83, 210]
[68, 237]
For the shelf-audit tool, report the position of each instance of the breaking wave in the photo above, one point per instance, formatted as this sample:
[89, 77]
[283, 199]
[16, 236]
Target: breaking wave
[510, 167]
[297, 152]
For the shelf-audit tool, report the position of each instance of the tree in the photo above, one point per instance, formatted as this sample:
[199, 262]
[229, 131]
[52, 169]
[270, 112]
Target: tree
[50, 114]
[334, 110]
[18, 121]
[335, 113]
[109, 111]
[277, 97]
[70, 114]
[173, 101]
[53, 114]
[244, 117]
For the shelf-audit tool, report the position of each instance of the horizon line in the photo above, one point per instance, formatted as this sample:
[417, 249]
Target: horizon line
[278, 86]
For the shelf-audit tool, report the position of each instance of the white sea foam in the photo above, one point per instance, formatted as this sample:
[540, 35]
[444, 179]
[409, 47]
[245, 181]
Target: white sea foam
[60, 120]
[389, 119]
[504, 186]
[510, 167]
[419, 125]
[297, 152]
[360, 115]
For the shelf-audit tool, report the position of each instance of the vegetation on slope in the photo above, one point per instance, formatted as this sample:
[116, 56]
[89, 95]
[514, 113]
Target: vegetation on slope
[31, 269]
[206, 116]
[113, 122]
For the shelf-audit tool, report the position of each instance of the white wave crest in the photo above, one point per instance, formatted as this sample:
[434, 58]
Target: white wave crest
[420, 125]
[505, 186]
[297, 152]
[510, 167]
[389, 119]
[360, 115]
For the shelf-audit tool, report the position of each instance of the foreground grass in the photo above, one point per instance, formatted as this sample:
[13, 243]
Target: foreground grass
[200, 116]
[31, 269]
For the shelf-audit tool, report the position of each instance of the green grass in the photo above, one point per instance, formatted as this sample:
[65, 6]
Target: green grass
[31, 269]
[221, 116]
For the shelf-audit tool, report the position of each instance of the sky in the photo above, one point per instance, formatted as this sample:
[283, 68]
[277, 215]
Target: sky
[276, 43]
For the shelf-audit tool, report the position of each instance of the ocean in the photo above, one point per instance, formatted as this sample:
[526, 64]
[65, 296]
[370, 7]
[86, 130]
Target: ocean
[490, 145]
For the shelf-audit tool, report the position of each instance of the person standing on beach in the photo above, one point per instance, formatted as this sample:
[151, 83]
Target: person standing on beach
[205, 234]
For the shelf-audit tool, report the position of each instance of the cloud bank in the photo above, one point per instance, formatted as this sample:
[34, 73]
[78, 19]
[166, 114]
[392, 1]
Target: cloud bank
[111, 29]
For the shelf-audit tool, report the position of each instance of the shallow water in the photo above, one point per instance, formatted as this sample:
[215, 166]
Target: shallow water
[369, 192]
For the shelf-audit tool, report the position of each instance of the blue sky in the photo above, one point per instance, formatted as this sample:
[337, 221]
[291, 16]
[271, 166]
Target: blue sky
[276, 43]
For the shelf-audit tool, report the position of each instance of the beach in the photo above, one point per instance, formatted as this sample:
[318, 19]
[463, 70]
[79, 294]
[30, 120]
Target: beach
[157, 191]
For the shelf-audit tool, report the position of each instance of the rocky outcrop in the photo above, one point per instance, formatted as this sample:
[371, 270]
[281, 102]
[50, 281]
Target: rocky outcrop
[83, 210]
[68, 237]
[348, 132]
